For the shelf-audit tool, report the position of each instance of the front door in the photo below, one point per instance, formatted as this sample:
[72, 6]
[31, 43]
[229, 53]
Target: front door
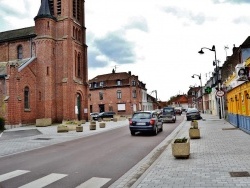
[78, 99]
[101, 108]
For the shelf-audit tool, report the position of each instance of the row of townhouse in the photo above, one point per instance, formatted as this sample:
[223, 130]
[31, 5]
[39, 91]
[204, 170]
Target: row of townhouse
[231, 100]
[120, 92]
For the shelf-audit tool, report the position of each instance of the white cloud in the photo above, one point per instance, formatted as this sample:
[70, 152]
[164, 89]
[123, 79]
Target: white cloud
[162, 37]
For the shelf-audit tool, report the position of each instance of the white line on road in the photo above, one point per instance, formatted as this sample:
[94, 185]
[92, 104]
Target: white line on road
[94, 183]
[46, 180]
[12, 174]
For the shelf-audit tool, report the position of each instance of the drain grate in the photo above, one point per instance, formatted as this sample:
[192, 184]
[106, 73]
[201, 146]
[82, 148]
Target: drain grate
[229, 128]
[239, 174]
[42, 138]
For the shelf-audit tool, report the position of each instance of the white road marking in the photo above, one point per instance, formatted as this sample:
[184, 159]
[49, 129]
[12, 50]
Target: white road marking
[12, 174]
[94, 183]
[46, 180]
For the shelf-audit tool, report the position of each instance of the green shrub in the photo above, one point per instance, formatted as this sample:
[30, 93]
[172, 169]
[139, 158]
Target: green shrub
[2, 123]
[180, 140]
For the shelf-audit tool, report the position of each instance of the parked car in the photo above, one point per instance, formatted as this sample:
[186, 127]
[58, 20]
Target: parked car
[168, 114]
[193, 114]
[145, 121]
[94, 114]
[104, 115]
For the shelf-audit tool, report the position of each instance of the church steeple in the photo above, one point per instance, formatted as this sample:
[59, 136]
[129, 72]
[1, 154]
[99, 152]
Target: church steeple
[45, 10]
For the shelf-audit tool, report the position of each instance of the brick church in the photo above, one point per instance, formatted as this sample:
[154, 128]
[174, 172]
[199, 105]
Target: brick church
[43, 69]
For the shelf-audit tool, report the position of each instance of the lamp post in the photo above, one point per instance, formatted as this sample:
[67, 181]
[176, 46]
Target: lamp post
[215, 63]
[199, 76]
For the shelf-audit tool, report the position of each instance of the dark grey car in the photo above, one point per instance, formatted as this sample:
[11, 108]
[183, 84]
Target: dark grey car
[145, 121]
[193, 114]
[104, 115]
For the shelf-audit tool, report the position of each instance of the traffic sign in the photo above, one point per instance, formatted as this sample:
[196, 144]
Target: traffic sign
[220, 93]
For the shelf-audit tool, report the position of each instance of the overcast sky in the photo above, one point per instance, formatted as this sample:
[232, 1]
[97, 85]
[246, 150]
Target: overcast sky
[157, 40]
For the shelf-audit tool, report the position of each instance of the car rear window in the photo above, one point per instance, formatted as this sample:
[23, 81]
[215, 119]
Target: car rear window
[192, 110]
[142, 116]
[168, 109]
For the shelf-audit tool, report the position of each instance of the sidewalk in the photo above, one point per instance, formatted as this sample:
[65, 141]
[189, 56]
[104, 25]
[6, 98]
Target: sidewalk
[220, 153]
[37, 137]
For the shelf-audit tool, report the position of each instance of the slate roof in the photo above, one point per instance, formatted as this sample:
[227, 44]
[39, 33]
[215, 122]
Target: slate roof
[246, 43]
[12, 35]
[44, 11]
[111, 77]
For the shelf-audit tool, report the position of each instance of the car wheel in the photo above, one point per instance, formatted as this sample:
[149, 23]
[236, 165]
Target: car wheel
[156, 130]
[161, 129]
[132, 133]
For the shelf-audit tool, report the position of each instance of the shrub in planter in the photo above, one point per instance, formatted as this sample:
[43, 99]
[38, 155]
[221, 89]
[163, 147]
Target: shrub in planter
[2, 124]
[194, 132]
[62, 128]
[181, 148]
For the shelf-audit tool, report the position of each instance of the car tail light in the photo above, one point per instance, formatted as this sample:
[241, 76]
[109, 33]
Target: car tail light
[130, 122]
[152, 122]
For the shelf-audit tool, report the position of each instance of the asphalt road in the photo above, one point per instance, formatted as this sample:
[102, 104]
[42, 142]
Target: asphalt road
[104, 157]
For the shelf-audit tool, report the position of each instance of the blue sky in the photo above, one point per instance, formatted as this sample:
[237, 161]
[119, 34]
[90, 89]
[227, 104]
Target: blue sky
[155, 40]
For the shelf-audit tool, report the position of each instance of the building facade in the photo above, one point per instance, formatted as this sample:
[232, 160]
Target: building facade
[43, 69]
[122, 93]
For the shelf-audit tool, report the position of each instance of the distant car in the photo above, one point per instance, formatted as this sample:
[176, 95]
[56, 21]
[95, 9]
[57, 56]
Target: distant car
[94, 114]
[145, 121]
[193, 114]
[104, 115]
[168, 115]
[178, 111]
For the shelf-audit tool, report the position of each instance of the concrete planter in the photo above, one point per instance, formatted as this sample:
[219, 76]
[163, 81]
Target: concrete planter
[102, 125]
[194, 133]
[44, 122]
[181, 150]
[62, 128]
[114, 119]
[92, 125]
[194, 124]
[106, 119]
[79, 129]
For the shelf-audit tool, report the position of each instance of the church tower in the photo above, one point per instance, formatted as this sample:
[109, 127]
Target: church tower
[61, 51]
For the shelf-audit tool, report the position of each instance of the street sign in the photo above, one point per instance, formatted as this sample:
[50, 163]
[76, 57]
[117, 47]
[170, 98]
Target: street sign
[208, 90]
[220, 93]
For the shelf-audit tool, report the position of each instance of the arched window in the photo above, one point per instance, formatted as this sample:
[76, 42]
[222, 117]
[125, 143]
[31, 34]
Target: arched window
[74, 8]
[19, 52]
[79, 66]
[76, 63]
[26, 98]
[77, 9]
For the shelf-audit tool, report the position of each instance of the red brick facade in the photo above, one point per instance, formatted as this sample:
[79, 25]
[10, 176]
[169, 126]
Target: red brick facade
[49, 79]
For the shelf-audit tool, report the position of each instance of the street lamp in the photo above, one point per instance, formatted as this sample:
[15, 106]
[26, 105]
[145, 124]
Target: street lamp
[199, 76]
[215, 63]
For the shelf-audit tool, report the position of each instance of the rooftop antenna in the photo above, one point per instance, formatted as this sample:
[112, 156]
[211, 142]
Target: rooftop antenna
[226, 48]
[115, 67]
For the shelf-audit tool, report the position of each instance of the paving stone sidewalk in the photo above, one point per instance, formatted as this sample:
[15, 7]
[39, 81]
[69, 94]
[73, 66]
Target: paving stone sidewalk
[222, 152]
[33, 137]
